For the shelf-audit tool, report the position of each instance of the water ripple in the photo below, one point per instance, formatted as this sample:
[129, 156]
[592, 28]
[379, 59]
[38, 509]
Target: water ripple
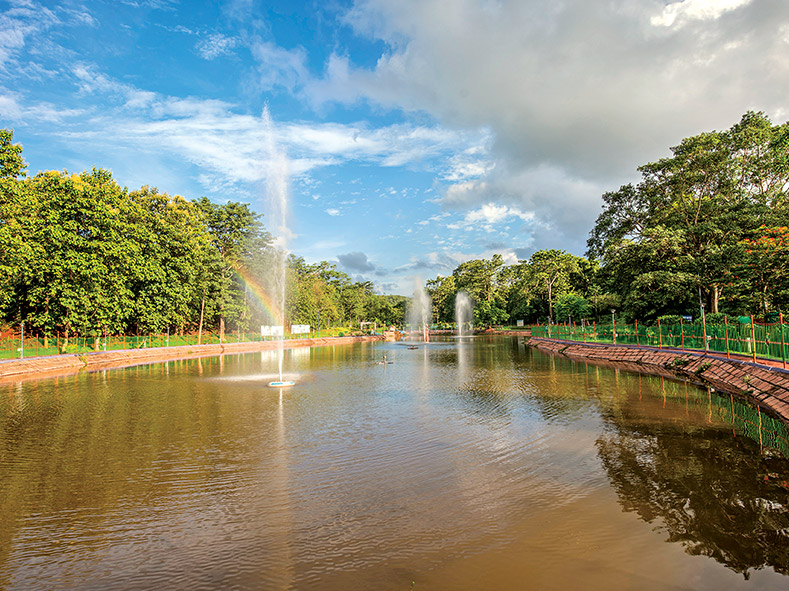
[453, 466]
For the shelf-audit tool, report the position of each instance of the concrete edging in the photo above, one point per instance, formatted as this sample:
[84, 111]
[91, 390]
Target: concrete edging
[37, 367]
[765, 385]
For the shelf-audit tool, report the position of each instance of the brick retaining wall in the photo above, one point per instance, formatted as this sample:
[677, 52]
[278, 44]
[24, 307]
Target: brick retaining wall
[38, 367]
[765, 385]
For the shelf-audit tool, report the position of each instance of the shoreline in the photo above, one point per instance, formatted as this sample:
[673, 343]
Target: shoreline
[17, 370]
[765, 385]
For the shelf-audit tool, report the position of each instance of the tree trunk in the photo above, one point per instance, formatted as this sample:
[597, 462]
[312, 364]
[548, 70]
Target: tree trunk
[715, 296]
[550, 303]
[200, 327]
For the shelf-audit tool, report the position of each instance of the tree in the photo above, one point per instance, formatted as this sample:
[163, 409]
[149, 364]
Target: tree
[171, 239]
[550, 272]
[442, 292]
[232, 229]
[18, 220]
[572, 307]
[765, 267]
[80, 247]
[481, 280]
[12, 165]
[696, 205]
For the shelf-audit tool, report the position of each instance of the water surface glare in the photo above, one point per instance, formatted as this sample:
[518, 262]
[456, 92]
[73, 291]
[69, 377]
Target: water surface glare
[465, 464]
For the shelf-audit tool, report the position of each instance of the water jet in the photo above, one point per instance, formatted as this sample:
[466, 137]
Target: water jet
[464, 313]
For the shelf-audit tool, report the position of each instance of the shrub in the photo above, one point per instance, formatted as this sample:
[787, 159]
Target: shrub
[716, 318]
[669, 319]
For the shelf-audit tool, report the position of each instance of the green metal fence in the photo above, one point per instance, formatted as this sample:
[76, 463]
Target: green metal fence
[769, 341]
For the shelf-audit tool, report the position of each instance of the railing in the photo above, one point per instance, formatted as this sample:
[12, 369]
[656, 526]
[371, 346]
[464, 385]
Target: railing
[767, 341]
[17, 347]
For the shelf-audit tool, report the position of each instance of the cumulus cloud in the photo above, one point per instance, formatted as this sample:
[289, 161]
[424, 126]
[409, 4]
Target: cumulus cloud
[490, 215]
[583, 91]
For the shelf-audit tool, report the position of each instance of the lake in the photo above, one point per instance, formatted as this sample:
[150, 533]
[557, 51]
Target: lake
[470, 463]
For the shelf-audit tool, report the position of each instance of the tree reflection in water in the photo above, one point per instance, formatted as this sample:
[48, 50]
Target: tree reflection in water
[713, 493]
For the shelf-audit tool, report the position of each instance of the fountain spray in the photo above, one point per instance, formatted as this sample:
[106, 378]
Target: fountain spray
[277, 174]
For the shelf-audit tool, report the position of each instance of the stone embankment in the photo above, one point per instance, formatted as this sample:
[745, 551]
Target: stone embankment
[37, 367]
[765, 385]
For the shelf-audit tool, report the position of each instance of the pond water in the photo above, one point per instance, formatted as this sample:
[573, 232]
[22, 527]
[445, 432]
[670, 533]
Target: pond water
[463, 464]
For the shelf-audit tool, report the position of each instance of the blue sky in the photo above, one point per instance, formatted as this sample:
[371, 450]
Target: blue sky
[418, 133]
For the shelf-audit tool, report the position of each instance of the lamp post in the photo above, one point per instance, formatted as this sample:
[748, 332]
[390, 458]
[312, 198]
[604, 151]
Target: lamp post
[613, 323]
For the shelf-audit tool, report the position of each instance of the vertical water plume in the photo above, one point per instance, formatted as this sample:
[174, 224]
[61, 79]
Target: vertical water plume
[420, 311]
[277, 189]
[464, 313]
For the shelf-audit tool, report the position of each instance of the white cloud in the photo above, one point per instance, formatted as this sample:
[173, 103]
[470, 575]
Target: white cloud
[490, 213]
[91, 81]
[332, 211]
[583, 91]
[10, 109]
[686, 10]
[216, 45]
[18, 22]
[278, 66]
[230, 146]
[14, 109]
[491, 217]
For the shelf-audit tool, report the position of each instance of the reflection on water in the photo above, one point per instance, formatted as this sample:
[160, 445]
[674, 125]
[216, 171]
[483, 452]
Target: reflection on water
[465, 464]
[706, 488]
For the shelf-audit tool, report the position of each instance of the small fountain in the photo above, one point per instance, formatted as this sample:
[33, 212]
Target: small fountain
[277, 198]
[420, 311]
[464, 313]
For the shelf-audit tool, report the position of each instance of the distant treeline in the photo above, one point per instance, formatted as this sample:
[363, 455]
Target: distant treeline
[708, 224]
[79, 254]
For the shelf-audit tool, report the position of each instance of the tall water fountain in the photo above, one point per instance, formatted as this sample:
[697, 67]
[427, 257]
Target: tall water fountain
[277, 175]
[464, 313]
[420, 311]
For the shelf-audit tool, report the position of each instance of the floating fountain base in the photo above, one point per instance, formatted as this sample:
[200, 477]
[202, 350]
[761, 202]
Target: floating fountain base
[280, 384]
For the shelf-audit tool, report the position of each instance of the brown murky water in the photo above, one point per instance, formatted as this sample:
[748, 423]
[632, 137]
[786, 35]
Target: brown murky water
[474, 464]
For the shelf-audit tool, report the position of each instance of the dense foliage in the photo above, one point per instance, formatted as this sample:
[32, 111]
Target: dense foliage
[81, 255]
[708, 225]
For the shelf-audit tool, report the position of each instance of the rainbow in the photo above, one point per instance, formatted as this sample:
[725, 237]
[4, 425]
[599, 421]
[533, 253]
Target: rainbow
[260, 295]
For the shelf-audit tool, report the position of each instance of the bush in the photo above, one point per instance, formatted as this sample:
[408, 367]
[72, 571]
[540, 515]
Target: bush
[716, 318]
[670, 319]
